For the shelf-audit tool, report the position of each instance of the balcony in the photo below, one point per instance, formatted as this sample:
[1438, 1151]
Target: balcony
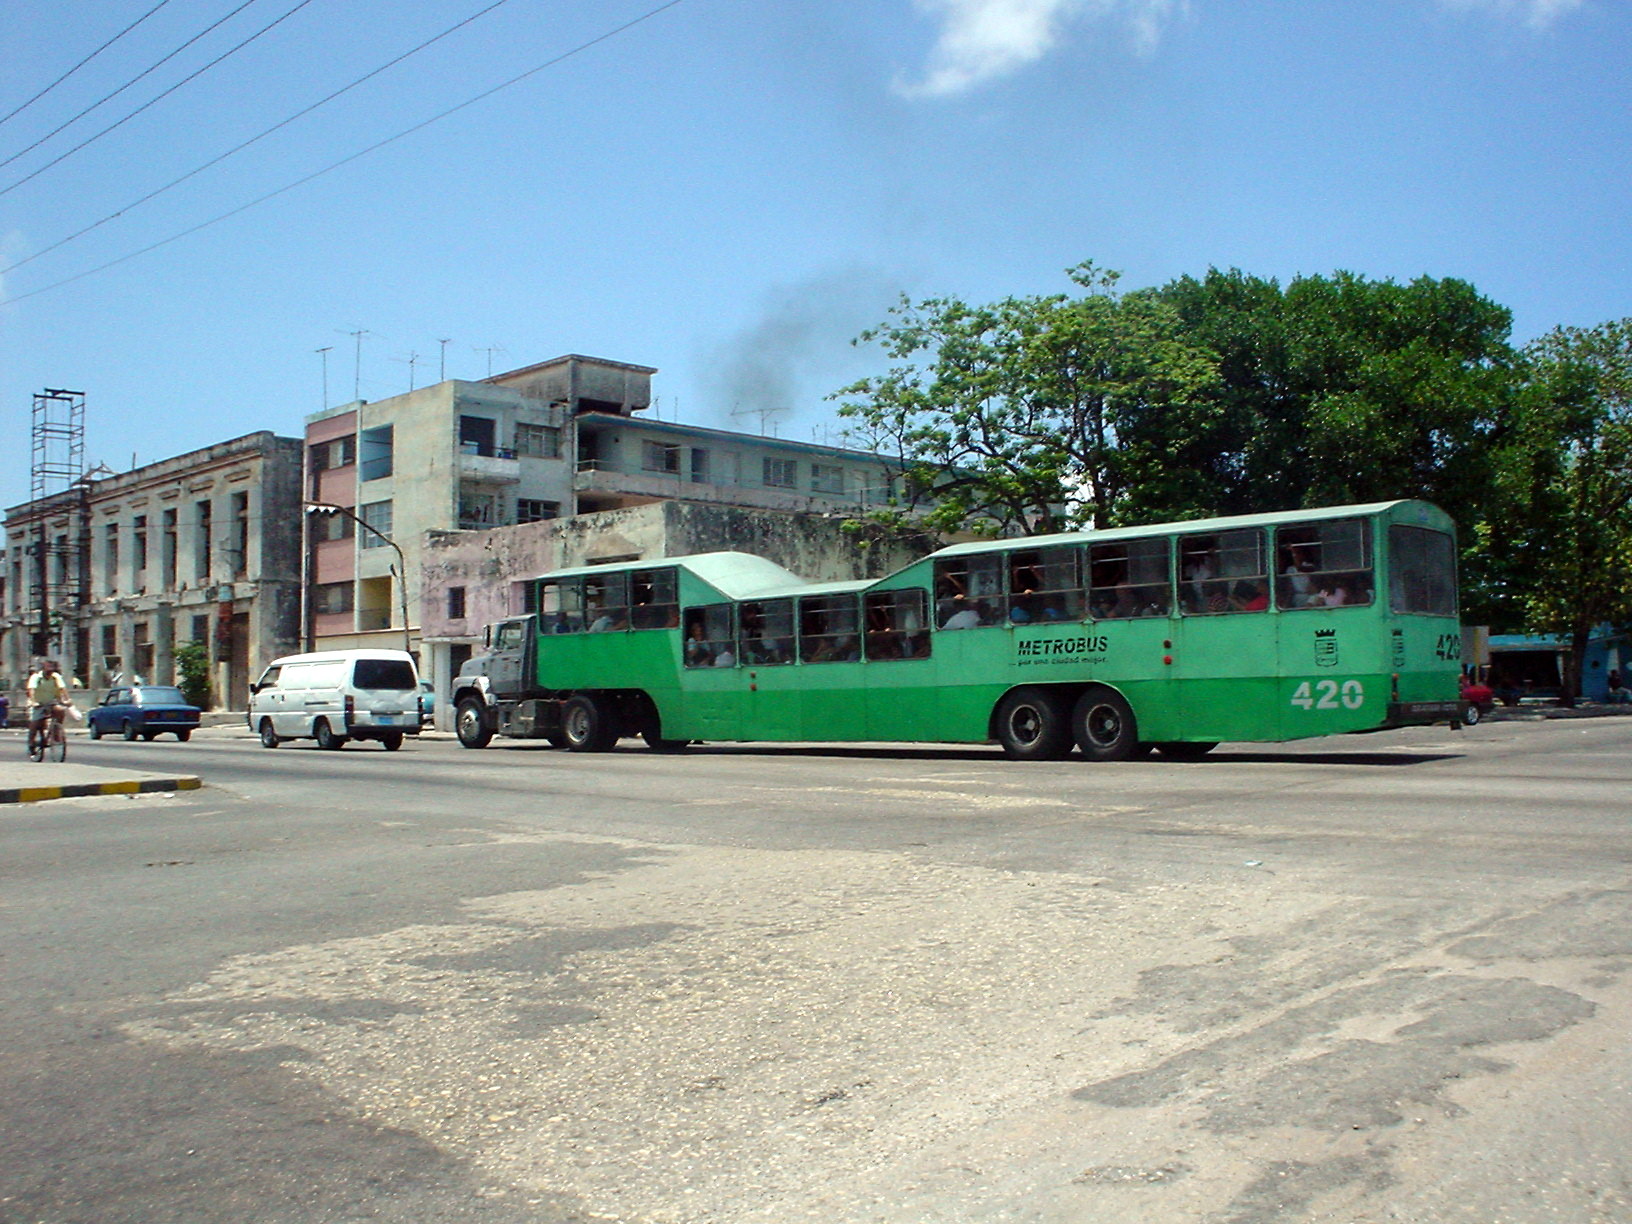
[604, 477]
[488, 465]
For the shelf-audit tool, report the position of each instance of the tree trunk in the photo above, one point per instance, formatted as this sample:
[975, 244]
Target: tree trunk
[1575, 663]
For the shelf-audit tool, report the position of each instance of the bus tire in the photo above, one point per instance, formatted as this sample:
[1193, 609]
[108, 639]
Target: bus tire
[1032, 725]
[470, 724]
[590, 725]
[654, 740]
[1185, 750]
[1103, 725]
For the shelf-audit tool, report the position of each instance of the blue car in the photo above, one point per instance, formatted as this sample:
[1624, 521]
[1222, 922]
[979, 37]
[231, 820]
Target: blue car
[146, 710]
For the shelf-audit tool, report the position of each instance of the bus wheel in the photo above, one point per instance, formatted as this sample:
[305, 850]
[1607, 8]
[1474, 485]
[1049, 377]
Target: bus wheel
[1185, 750]
[655, 741]
[470, 724]
[1032, 726]
[589, 725]
[1104, 726]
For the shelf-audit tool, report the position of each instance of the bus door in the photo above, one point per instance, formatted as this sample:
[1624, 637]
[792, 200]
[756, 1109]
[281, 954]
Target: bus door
[1333, 671]
[713, 682]
[1225, 649]
[767, 650]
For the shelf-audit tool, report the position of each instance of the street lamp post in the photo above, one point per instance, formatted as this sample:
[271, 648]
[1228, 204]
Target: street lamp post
[401, 570]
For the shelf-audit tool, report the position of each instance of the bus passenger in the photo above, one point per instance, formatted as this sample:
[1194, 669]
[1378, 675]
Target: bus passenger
[964, 616]
[698, 653]
[1250, 597]
[725, 658]
[1300, 586]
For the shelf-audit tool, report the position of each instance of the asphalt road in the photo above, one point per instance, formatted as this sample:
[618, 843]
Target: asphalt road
[1370, 979]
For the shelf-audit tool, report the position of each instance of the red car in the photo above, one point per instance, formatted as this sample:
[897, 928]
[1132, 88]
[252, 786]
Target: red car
[1481, 699]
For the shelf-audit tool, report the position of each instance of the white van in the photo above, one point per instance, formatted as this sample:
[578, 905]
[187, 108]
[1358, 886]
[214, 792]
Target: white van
[337, 695]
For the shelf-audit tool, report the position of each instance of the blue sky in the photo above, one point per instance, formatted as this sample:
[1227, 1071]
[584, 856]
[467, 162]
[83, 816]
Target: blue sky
[729, 191]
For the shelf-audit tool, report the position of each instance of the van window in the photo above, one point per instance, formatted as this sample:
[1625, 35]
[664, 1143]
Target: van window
[269, 679]
[384, 674]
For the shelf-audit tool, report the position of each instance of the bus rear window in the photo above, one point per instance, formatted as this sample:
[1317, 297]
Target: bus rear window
[1323, 565]
[1421, 571]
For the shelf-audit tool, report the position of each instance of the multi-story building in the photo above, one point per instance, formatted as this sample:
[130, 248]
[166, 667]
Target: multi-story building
[113, 574]
[547, 441]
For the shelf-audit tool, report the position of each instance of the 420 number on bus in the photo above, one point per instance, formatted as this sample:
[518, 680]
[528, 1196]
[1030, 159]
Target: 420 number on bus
[1329, 695]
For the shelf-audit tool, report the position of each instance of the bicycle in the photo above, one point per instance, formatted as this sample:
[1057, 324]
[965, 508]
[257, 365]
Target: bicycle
[50, 740]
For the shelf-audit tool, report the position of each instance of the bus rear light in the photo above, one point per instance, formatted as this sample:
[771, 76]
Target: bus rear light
[1167, 658]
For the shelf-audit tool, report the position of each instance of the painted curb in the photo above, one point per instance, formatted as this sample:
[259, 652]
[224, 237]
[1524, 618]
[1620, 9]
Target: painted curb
[33, 794]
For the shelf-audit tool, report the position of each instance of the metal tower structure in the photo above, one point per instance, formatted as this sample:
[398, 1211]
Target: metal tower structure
[57, 494]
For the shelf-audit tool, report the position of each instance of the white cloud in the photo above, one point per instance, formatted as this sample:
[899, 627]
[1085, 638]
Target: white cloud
[982, 40]
[1538, 14]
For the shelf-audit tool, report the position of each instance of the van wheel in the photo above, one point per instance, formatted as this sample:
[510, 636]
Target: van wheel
[269, 737]
[392, 741]
[470, 724]
[325, 736]
[1032, 725]
[1103, 725]
[590, 725]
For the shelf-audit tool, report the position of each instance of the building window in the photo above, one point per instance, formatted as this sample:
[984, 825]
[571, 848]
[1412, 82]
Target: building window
[378, 516]
[335, 453]
[240, 534]
[780, 473]
[538, 441]
[138, 530]
[456, 603]
[477, 510]
[167, 552]
[376, 453]
[660, 457]
[328, 597]
[531, 510]
[110, 557]
[202, 542]
[476, 435]
[826, 478]
[201, 630]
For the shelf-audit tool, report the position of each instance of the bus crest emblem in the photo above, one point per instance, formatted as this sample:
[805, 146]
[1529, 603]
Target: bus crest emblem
[1325, 647]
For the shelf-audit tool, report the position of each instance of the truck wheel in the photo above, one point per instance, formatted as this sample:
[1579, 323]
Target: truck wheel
[590, 725]
[470, 724]
[1104, 726]
[1032, 725]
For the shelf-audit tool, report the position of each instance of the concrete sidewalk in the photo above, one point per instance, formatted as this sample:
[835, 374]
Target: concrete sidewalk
[26, 781]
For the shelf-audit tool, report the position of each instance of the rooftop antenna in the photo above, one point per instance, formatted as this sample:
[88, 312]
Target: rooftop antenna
[357, 371]
[490, 351]
[764, 415]
[412, 362]
[442, 365]
[324, 354]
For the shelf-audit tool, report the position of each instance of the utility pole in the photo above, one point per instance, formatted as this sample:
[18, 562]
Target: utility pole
[401, 571]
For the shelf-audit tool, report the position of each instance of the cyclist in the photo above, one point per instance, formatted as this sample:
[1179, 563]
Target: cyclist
[47, 698]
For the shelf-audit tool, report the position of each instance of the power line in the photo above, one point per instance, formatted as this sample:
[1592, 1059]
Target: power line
[20, 109]
[344, 161]
[111, 96]
[159, 98]
[254, 139]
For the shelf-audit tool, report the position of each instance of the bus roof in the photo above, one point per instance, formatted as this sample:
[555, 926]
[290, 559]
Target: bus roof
[735, 575]
[1189, 527]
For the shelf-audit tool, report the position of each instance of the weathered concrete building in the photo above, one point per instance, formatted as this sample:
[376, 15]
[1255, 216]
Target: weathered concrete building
[112, 575]
[531, 446]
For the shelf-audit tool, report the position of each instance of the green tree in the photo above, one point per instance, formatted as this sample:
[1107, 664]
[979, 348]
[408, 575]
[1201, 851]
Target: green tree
[193, 670]
[1344, 389]
[1560, 529]
[1035, 413]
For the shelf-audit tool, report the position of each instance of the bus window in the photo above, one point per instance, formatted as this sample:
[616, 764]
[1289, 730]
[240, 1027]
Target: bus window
[765, 632]
[561, 605]
[1223, 572]
[606, 601]
[969, 591]
[1045, 584]
[897, 627]
[652, 601]
[1128, 580]
[1323, 565]
[1421, 571]
[709, 636]
[827, 629]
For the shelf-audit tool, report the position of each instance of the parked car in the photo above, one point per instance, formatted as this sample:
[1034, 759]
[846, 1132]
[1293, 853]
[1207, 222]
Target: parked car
[1481, 699]
[427, 703]
[146, 710]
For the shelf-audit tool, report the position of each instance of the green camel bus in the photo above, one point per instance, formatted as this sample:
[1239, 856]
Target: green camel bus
[1171, 637]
